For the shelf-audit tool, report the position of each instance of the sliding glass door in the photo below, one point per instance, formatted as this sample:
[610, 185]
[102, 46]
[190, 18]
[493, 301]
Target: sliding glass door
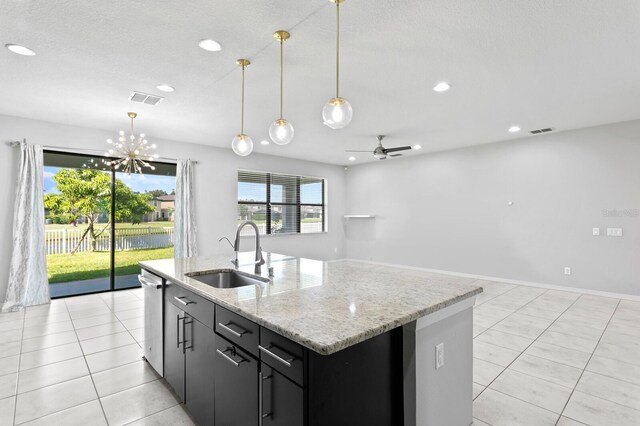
[100, 223]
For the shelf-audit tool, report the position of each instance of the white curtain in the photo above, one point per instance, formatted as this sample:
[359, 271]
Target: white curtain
[185, 216]
[28, 282]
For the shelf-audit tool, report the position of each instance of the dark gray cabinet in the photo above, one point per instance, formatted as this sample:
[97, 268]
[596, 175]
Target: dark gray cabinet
[173, 351]
[236, 386]
[281, 400]
[244, 374]
[199, 371]
[189, 353]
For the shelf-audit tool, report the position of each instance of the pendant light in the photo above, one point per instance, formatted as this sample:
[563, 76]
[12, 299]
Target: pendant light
[281, 131]
[242, 144]
[133, 152]
[337, 112]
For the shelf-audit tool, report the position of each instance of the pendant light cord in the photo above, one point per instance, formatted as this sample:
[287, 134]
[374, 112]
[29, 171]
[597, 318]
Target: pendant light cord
[338, 49]
[281, 75]
[242, 112]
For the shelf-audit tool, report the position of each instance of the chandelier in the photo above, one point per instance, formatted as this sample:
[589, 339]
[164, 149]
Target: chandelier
[133, 153]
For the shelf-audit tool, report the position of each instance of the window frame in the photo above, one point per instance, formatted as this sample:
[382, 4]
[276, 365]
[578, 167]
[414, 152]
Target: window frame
[268, 204]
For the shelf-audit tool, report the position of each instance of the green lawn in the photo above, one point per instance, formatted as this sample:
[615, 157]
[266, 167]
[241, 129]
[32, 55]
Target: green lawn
[118, 225]
[84, 266]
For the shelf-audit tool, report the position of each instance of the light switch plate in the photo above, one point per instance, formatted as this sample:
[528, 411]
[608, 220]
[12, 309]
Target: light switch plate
[567, 270]
[596, 231]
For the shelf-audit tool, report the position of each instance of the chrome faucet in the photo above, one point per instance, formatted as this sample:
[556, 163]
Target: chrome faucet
[236, 246]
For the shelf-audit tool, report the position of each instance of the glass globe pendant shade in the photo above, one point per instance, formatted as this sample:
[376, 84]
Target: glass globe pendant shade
[242, 145]
[337, 113]
[281, 132]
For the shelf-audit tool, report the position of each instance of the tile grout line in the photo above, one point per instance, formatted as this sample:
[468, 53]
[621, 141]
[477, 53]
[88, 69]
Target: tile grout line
[534, 340]
[58, 411]
[589, 360]
[104, 414]
[21, 340]
[15, 402]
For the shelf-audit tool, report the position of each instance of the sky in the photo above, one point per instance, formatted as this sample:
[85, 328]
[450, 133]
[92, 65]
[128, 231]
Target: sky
[135, 181]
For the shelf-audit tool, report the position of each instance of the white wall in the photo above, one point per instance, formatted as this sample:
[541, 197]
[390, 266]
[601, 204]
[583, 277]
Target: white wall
[443, 211]
[215, 177]
[449, 210]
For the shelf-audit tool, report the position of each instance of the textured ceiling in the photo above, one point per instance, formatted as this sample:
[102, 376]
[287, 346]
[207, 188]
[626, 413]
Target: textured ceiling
[564, 64]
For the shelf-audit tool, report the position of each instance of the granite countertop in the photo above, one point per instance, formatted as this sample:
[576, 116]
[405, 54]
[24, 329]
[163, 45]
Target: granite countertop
[324, 306]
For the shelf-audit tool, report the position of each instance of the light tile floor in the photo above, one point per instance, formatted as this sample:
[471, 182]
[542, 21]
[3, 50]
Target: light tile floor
[541, 357]
[79, 361]
[547, 357]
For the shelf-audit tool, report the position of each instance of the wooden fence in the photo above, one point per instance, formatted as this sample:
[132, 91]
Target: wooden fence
[60, 241]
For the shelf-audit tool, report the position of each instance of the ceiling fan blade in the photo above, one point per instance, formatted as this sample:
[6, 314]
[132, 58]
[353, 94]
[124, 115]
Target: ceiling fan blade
[395, 155]
[400, 148]
[351, 150]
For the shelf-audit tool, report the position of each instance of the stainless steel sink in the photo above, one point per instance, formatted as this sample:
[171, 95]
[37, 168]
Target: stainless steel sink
[227, 278]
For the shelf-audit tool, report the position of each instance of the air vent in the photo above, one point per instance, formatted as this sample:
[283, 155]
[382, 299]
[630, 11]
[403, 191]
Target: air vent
[145, 98]
[538, 131]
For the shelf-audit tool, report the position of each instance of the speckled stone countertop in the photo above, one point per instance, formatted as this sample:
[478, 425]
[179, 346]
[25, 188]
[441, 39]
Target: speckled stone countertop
[324, 306]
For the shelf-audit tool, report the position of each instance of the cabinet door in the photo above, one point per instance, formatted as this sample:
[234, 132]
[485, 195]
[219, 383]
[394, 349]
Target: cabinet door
[200, 355]
[236, 386]
[281, 400]
[173, 348]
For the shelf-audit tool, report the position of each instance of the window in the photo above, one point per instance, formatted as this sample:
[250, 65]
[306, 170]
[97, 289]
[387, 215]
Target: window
[90, 246]
[281, 204]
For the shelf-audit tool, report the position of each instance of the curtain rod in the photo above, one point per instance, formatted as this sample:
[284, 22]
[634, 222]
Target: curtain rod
[88, 151]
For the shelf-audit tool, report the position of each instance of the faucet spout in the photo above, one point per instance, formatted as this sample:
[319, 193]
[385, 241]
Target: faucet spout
[236, 247]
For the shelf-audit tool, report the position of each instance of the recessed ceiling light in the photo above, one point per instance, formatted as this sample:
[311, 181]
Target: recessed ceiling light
[352, 158]
[264, 142]
[20, 50]
[417, 147]
[166, 88]
[443, 86]
[514, 129]
[210, 45]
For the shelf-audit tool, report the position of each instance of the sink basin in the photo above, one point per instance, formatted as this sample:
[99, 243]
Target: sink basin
[226, 279]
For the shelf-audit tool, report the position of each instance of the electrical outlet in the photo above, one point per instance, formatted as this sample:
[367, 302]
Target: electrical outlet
[596, 231]
[614, 232]
[567, 270]
[439, 355]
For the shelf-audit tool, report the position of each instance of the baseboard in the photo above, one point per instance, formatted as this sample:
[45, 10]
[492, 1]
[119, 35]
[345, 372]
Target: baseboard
[505, 280]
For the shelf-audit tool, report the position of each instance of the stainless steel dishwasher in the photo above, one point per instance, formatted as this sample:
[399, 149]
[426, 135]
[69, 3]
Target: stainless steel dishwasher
[153, 287]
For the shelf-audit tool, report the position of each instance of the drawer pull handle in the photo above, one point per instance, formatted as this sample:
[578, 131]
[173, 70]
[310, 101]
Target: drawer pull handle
[230, 330]
[185, 302]
[261, 380]
[290, 358]
[228, 358]
[147, 283]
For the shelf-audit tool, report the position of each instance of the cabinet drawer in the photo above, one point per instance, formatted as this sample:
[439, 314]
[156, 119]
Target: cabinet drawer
[196, 306]
[282, 354]
[238, 330]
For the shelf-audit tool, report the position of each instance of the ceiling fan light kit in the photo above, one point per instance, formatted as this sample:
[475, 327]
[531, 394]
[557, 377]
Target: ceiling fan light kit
[241, 143]
[281, 131]
[337, 112]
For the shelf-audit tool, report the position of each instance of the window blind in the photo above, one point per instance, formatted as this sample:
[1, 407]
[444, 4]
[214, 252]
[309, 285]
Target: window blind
[281, 204]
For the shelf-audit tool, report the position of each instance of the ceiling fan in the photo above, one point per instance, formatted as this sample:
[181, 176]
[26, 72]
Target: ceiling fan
[381, 152]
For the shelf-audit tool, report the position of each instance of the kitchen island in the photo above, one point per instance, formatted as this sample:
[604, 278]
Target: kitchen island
[345, 342]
